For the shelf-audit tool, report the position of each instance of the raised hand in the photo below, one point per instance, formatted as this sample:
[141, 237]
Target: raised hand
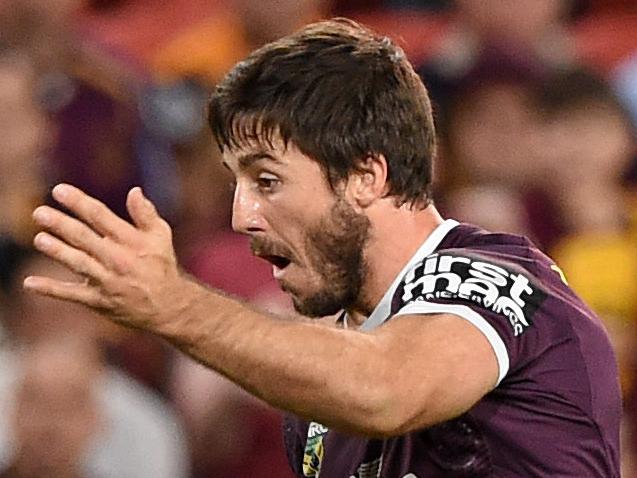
[130, 270]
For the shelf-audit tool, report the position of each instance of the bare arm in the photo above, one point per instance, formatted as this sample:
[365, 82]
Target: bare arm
[410, 373]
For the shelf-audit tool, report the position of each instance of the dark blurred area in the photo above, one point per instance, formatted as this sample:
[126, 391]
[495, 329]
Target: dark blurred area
[535, 102]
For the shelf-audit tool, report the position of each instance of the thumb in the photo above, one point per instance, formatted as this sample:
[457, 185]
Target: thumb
[141, 210]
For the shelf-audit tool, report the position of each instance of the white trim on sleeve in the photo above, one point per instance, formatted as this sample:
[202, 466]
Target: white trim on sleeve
[382, 311]
[500, 350]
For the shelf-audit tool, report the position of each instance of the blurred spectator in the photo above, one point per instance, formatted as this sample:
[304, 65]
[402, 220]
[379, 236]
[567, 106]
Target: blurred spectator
[481, 77]
[487, 158]
[22, 147]
[90, 96]
[205, 202]
[57, 416]
[208, 49]
[587, 142]
[232, 435]
[534, 26]
[202, 196]
[100, 143]
[587, 145]
[490, 125]
[131, 431]
[494, 208]
[531, 32]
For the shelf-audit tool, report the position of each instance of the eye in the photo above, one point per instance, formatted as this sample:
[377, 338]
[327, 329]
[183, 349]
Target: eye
[268, 182]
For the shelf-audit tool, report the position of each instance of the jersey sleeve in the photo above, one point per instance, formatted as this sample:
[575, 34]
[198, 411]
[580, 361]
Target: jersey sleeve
[498, 297]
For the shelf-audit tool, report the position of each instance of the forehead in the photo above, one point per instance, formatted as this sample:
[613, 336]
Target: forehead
[274, 153]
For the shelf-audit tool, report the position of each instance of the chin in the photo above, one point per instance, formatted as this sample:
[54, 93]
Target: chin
[316, 306]
[316, 302]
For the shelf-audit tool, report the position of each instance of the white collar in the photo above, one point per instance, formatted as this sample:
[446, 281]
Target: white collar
[383, 309]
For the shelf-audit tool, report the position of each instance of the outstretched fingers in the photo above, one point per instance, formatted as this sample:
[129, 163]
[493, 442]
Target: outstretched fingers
[71, 230]
[114, 255]
[75, 259]
[79, 292]
[142, 211]
[95, 213]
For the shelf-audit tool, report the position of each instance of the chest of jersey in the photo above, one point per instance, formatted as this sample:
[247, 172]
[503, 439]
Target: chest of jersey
[454, 449]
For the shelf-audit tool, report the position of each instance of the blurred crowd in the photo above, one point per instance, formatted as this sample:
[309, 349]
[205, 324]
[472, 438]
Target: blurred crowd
[536, 106]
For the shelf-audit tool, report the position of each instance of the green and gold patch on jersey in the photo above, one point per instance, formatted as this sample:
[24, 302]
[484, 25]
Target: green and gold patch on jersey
[314, 450]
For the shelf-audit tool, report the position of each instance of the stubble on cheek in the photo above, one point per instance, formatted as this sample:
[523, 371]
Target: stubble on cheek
[335, 251]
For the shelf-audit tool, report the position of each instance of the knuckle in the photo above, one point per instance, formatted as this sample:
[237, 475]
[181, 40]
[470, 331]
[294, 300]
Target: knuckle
[94, 211]
[164, 227]
[102, 303]
[122, 264]
[84, 235]
[107, 285]
[81, 265]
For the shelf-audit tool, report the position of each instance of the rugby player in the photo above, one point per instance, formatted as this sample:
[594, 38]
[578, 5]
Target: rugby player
[456, 352]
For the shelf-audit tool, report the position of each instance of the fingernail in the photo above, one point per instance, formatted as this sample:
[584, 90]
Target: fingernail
[29, 282]
[42, 239]
[41, 215]
[61, 191]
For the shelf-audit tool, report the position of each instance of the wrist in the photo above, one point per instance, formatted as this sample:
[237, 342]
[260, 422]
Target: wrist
[181, 309]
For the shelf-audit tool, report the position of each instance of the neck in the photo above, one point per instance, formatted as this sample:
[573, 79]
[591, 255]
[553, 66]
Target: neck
[397, 233]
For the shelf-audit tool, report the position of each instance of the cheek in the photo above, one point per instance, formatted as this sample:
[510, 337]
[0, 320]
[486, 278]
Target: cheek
[292, 226]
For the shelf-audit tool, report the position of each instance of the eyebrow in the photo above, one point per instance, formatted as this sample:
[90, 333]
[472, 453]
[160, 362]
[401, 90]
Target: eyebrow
[247, 160]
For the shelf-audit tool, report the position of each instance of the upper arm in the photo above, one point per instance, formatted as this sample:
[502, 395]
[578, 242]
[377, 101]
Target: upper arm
[461, 322]
[436, 367]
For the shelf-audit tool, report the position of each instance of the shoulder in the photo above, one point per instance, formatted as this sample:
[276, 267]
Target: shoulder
[477, 266]
[497, 282]
[502, 280]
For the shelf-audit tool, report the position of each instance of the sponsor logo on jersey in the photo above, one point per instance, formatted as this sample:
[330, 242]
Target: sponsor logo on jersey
[371, 469]
[314, 450]
[447, 276]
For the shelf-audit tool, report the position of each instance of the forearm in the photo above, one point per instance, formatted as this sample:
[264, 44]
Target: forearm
[321, 373]
[334, 376]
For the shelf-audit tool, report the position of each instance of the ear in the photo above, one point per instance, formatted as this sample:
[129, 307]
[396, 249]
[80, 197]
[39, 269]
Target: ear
[368, 181]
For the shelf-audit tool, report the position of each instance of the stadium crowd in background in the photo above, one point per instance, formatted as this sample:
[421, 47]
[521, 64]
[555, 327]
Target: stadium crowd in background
[537, 100]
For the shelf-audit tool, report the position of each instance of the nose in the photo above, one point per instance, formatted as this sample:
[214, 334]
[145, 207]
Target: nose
[246, 212]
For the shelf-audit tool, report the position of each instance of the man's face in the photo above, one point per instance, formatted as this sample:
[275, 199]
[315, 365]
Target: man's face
[313, 237]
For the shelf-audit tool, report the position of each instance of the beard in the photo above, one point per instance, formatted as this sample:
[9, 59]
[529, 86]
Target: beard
[335, 247]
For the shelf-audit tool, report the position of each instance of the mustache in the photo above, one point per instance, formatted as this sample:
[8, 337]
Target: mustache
[262, 246]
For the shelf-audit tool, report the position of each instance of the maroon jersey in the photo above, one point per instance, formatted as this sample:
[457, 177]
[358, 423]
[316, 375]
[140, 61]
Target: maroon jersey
[556, 409]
